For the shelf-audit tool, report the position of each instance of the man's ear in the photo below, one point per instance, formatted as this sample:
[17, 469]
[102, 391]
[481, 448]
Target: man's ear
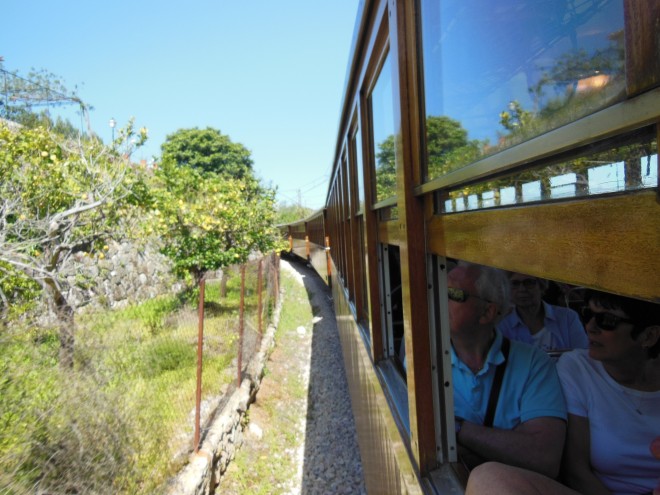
[650, 336]
[489, 314]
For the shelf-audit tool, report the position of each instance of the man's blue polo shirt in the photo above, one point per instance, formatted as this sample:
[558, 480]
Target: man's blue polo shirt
[530, 388]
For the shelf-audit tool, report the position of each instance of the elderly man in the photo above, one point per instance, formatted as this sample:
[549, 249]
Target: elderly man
[507, 398]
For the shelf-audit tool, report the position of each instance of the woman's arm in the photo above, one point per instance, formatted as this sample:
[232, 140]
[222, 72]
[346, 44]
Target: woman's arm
[576, 466]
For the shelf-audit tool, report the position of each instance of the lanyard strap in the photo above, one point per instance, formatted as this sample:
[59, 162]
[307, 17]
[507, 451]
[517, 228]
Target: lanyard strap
[497, 385]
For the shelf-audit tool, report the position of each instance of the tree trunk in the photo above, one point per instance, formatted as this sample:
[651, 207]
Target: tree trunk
[65, 318]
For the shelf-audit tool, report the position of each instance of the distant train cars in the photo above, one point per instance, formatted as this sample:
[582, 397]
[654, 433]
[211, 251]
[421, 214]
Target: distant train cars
[518, 134]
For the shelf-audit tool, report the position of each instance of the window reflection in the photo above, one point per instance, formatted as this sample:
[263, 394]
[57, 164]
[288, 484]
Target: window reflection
[631, 165]
[383, 133]
[357, 152]
[498, 73]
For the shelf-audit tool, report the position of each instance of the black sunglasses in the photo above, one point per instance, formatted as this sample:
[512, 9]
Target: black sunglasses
[604, 321]
[461, 295]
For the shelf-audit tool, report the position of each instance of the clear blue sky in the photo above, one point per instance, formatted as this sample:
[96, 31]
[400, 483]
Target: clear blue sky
[270, 75]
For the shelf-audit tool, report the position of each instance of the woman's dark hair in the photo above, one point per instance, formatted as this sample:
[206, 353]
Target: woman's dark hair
[643, 313]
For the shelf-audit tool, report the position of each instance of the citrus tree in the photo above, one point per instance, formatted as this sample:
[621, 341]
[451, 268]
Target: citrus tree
[207, 220]
[58, 198]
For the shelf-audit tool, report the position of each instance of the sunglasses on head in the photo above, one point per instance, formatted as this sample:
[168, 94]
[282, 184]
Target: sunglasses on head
[604, 321]
[461, 295]
[528, 283]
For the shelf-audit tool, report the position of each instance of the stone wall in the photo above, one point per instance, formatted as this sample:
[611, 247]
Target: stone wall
[119, 275]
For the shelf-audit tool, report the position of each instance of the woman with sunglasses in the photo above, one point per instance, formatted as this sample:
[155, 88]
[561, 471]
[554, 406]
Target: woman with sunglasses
[551, 328]
[612, 393]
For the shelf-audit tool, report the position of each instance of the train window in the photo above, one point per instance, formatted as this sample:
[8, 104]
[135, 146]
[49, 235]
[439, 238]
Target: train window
[382, 116]
[630, 165]
[499, 73]
[393, 306]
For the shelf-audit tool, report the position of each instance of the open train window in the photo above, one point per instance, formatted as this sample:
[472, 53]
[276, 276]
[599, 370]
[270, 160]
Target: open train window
[395, 346]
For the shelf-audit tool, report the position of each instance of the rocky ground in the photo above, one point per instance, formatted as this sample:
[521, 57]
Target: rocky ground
[301, 435]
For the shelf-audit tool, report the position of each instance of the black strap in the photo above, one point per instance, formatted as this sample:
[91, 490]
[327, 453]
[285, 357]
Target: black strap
[497, 384]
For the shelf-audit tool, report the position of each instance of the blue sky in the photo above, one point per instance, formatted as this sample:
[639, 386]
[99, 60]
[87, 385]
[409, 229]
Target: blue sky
[270, 75]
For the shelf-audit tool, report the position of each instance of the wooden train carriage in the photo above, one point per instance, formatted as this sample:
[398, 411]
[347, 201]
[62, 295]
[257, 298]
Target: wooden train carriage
[520, 134]
[307, 240]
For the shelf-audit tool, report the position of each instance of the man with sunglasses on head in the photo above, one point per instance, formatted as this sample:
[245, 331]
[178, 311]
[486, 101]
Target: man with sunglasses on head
[613, 395]
[508, 403]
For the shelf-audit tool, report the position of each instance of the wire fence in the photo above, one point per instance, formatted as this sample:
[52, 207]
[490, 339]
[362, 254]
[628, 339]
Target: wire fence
[147, 380]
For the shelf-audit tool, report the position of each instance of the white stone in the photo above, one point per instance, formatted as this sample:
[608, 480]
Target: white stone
[256, 431]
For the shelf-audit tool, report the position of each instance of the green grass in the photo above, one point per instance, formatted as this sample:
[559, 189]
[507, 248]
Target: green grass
[122, 420]
[269, 467]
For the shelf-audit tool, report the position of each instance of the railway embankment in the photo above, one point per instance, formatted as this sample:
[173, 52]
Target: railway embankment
[301, 434]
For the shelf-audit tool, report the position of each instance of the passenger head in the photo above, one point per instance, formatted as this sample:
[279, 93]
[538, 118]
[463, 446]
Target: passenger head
[490, 285]
[642, 316]
[527, 291]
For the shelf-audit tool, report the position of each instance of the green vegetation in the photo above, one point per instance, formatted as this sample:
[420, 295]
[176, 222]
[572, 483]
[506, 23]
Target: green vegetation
[120, 422]
[115, 415]
[269, 465]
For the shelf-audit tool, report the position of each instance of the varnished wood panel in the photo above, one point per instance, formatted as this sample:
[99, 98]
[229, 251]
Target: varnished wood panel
[411, 232]
[611, 244]
[642, 45]
[385, 461]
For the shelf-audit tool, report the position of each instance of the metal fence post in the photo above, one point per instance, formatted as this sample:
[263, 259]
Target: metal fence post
[241, 325]
[200, 346]
[259, 290]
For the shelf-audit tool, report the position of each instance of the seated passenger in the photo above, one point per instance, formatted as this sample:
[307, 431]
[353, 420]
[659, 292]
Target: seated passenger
[613, 396]
[532, 320]
[525, 425]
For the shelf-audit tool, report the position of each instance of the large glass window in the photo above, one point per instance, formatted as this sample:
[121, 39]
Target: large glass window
[382, 117]
[499, 72]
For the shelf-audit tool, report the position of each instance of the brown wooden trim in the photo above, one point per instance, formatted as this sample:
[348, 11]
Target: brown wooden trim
[642, 34]
[610, 244]
[374, 52]
[411, 234]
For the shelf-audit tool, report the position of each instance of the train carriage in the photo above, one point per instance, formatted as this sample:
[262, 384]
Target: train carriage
[518, 134]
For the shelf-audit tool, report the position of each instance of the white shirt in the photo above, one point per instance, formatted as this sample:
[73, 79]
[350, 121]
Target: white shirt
[623, 423]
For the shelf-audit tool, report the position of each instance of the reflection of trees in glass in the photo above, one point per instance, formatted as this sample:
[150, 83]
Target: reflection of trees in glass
[385, 170]
[448, 149]
[448, 146]
[574, 86]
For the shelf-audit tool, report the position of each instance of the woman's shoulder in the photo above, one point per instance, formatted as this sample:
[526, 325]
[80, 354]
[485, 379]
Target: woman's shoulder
[574, 361]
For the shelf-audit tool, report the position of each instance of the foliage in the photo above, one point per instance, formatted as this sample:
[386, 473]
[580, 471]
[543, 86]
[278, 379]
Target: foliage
[207, 150]
[208, 220]
[61, 198]
[120, 422]
[290, 213]
[448, 149]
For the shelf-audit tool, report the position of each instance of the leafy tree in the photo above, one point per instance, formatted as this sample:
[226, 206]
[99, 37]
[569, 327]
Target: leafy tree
[207, 150]
[60, 198]
[208, 221]
[287, 213]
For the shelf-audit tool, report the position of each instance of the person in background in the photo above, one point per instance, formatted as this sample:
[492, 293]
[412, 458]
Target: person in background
[534, 321]
[521, 421]
[613, 395]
